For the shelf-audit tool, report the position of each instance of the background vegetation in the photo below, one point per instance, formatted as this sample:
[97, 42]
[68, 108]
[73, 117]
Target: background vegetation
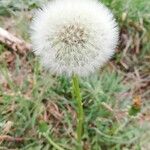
[116, 98]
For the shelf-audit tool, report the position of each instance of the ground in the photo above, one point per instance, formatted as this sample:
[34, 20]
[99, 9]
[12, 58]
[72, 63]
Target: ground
[116, 99]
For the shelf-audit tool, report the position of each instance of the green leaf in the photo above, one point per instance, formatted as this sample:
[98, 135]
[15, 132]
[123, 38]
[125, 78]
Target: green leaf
[43, 127]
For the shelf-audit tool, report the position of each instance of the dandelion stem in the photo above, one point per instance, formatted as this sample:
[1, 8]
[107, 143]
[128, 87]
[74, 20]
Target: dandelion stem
[80, 113]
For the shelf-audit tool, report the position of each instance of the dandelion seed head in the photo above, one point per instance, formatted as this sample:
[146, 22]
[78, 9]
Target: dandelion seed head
[74, 37]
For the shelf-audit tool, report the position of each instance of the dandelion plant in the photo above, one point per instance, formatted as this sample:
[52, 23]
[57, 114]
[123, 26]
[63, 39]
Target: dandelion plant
[74, 38]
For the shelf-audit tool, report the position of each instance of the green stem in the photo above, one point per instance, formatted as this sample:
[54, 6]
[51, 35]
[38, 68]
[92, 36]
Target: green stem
[52, 142]
[80, 113]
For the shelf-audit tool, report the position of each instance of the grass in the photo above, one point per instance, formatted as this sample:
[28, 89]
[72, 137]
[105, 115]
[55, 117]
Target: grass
[34, 103]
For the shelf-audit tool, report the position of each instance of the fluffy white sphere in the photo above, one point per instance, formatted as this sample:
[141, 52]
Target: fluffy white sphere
[74, 36]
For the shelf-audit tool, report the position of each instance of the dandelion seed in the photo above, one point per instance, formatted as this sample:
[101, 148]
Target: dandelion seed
[74, 36]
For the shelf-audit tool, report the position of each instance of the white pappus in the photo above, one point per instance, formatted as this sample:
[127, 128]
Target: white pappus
[74, 36]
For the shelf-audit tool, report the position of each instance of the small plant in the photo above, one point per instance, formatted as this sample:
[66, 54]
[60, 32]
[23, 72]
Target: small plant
[71, 39]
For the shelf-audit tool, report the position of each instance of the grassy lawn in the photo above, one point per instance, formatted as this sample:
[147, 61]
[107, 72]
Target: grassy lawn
[116, 98]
